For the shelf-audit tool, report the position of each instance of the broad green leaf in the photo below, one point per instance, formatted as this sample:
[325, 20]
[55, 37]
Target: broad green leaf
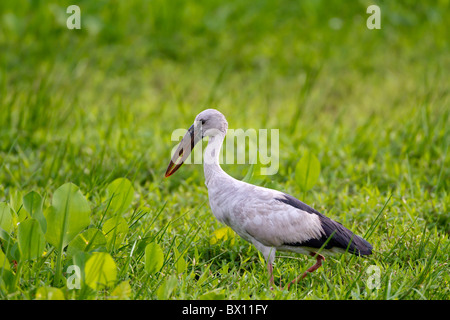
[79, 259]
[180, 263]
[88, 240]
[222, 234]
[14, 252]
[6, 218]
[142, 243]
[165, 290]
[122, 291]
[307, 171]
[120, 194]
[216, 294]
[4, 263]
[33, 203]
[5, 236]
[205, 275]
[31, 239]
[100, 270]
[49, 293]
[154, 258]
[68, 215]
[7, 281]
[115, 230]
[15, 201]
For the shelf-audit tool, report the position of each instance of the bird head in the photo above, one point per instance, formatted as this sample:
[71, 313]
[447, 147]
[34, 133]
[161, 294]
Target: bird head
[207, 123]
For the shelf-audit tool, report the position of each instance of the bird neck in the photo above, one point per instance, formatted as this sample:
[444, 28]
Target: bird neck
[211, 157]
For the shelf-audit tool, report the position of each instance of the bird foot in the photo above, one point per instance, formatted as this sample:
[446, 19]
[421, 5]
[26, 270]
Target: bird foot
[317, 265]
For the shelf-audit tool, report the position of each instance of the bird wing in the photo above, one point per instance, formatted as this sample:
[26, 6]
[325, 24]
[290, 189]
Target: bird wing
[258, 212]
[278, 219]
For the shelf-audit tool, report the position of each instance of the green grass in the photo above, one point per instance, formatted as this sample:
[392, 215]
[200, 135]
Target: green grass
[92, 105]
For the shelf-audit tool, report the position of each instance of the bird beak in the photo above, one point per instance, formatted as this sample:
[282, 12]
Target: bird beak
[190, 139]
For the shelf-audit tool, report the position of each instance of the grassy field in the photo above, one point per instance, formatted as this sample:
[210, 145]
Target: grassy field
[95, 108]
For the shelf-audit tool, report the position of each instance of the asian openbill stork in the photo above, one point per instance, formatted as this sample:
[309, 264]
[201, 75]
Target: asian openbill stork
[269, 219]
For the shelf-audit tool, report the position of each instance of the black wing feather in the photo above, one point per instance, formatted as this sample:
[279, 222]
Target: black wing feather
[341, 237]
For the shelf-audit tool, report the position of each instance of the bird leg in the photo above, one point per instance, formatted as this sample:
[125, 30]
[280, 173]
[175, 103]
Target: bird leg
[270, 268]
[319, 259]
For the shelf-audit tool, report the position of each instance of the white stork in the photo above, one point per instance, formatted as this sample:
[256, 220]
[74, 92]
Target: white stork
[269, 219]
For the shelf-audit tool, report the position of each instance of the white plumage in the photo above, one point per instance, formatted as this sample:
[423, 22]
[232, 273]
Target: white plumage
[269, 219]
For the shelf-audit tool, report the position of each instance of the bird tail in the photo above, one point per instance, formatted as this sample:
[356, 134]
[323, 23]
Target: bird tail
[360, 246]
[344, 239]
